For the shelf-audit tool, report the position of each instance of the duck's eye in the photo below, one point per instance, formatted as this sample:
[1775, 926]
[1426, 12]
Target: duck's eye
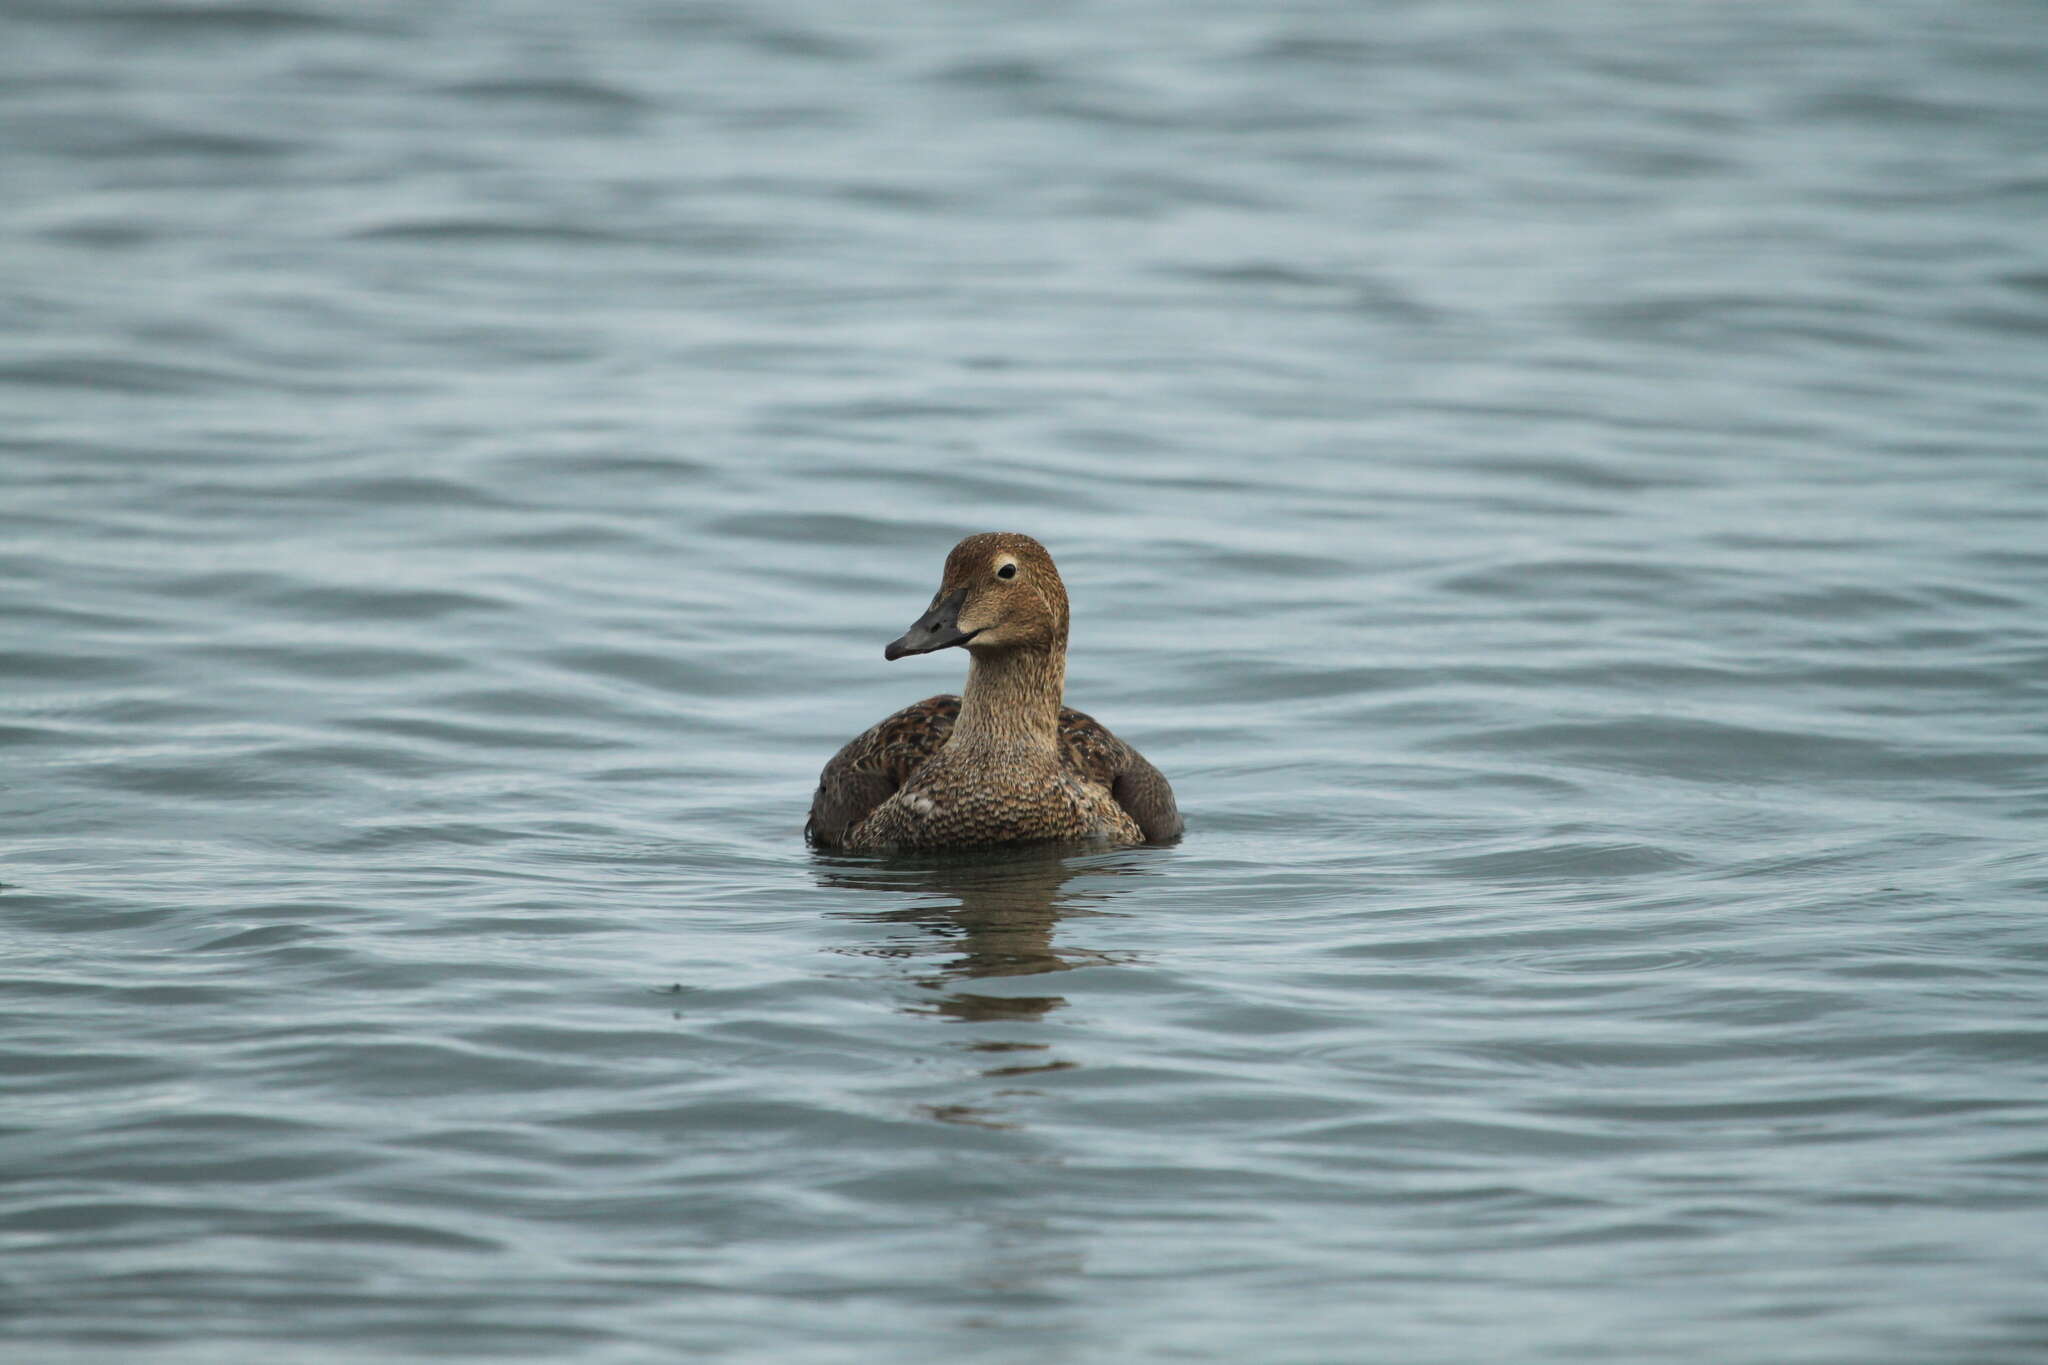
[1007, 571]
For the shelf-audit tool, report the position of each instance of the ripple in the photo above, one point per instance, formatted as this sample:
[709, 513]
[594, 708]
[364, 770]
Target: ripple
[575, 94]
[360, 603]
[467, 230]
[130, 374]
[1612, 963]
[235, 20]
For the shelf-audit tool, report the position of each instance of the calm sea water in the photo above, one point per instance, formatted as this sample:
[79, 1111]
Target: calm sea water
[1560, 488]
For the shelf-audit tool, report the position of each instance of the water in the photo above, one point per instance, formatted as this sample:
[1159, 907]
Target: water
[1559, 488]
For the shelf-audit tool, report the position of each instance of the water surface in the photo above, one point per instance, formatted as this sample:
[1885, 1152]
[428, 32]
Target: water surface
[1559, 489]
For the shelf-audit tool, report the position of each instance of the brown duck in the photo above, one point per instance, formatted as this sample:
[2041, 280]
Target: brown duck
[1004, 763]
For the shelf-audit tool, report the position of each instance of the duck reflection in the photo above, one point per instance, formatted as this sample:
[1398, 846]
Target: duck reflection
[985, 916]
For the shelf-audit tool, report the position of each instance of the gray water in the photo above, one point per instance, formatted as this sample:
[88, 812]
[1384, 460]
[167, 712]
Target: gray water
[1560, 488]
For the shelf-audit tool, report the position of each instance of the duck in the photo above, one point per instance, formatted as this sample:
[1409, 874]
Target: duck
[1005, 761]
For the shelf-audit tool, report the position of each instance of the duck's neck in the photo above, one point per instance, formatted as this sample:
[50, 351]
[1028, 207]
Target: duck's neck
[1012, 700]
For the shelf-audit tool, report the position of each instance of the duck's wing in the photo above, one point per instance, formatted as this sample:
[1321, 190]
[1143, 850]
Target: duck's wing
[1141, 789]
[874, 764]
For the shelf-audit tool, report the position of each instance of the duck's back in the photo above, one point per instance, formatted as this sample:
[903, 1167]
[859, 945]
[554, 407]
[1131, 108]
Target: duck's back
[874, 765]
[881, 761]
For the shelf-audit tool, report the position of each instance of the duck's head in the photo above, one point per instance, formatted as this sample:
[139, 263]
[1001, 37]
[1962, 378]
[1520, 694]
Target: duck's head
[1000, 592]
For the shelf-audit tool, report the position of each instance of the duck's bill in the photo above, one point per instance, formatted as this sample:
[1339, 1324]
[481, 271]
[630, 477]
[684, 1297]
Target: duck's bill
[937, 629]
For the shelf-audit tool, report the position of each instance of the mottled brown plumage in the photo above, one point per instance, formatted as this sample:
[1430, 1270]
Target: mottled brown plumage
[1005, 762]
